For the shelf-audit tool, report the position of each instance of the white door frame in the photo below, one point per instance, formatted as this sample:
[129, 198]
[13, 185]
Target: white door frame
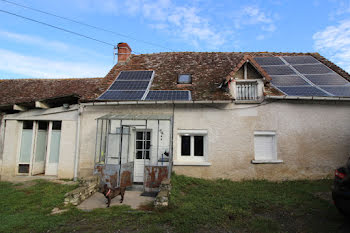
[139, 164]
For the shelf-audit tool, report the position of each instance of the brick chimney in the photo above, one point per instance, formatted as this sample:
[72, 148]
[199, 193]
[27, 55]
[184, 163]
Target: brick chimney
[124, 52]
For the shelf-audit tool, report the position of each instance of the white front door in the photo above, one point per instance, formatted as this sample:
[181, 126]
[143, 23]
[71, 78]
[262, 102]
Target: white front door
[142, 155]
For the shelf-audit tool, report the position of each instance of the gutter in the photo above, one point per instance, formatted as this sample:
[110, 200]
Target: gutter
[288, 97]
[158, 102]
[77, 146]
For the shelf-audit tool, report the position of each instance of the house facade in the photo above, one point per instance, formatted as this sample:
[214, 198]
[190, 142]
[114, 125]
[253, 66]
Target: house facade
[236, 116]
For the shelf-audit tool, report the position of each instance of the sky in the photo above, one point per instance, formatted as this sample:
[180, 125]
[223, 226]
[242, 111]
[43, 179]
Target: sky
[33, 50]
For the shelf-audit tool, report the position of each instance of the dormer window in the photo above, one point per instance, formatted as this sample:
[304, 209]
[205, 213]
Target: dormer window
[184, 79]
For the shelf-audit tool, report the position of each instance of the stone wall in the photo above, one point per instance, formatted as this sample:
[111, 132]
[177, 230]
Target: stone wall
[162, 199]
[87, 187]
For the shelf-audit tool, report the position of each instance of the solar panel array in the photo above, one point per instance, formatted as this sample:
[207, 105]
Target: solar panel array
[129, 85]
[134, 85]
[168, 95]
[304, 76]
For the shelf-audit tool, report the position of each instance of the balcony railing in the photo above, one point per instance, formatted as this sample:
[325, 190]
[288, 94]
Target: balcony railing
[247, 90]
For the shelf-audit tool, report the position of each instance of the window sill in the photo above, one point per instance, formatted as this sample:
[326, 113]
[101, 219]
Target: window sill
[191, 163]
[266, 161]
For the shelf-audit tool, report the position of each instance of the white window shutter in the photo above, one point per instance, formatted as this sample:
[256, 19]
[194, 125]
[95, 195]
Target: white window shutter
[264, 147]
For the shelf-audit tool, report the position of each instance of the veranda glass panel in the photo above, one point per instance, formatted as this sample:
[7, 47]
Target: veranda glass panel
[55, 146]
[26, 146]
[40, 151]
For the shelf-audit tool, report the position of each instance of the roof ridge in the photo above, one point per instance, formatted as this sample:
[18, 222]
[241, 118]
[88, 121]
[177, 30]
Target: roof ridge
[233, 52]
[49, 79]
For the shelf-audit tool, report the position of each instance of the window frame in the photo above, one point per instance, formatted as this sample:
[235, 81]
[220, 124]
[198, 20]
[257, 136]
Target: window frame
[192, 159]
[274, 156]
[184, 83]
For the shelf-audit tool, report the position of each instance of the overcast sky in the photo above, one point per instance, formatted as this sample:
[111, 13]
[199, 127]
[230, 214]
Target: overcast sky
[31, 50]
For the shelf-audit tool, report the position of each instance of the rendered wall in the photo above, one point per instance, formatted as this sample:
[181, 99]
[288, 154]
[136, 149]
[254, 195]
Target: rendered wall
[10, 150]
[312, 139]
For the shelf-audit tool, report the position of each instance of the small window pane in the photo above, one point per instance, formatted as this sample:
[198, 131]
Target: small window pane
[198, 146]
[148, 144]
[184, 79]
[139, 135]
[23, 168]
[27, 124]
[139, 155]
[147, 154]
[185, 145]
[148, 136]
[139, 145]
[43, 125]
[56, 125]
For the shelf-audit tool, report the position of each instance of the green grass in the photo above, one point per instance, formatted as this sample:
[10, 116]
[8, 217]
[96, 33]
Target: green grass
[196, 205]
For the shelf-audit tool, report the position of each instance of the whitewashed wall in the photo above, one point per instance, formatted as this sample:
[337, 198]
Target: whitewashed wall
[312, 139]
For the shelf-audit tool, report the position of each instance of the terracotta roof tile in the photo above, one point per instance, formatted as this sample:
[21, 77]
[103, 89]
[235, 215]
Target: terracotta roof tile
[207, 70]
[27, 90]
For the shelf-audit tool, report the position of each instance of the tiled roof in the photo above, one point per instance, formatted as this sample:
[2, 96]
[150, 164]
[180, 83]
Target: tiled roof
[207, 70]
[27, 90]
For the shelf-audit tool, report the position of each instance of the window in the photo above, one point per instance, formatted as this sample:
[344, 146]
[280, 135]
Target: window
[265, 147]
[143, 144]
[192, 147]
[184, 79]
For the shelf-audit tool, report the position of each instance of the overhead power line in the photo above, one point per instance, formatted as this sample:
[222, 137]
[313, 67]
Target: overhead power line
[59, 28]
[87, 25]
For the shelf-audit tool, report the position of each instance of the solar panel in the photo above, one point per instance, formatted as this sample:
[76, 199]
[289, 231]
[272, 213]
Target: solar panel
[313, 69]
[301, 60]
[263, 61]
[168, 95]
[122, 95]
[129, 85]
[288, 80]
[342, 91]
[135, 75]
[279, 70]
[327, 79]
[303, 91]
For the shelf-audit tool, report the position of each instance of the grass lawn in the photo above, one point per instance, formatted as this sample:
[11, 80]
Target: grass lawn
[196, 205]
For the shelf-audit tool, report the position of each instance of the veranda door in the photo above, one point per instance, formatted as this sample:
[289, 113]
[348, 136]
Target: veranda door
[53, 148]
[143, 145]
[40, 148]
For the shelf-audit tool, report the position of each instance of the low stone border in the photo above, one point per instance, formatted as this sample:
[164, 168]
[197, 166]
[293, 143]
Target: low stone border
[86, 188]
[162, 199]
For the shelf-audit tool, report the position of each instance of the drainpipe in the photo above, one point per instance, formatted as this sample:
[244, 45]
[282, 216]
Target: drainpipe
[77, 145]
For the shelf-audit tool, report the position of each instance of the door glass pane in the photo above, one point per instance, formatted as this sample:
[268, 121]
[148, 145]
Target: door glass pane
[148, 144]
[55, 146]
[198, 145]
[43, 125]
[185, 145]
[139, 145]
[56, 125]
[27, 124]
[139, 155]
[26, 146]
[139, 135]
[40, 151]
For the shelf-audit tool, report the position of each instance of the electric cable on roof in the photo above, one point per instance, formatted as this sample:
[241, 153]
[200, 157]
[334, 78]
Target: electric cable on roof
[86, 25]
